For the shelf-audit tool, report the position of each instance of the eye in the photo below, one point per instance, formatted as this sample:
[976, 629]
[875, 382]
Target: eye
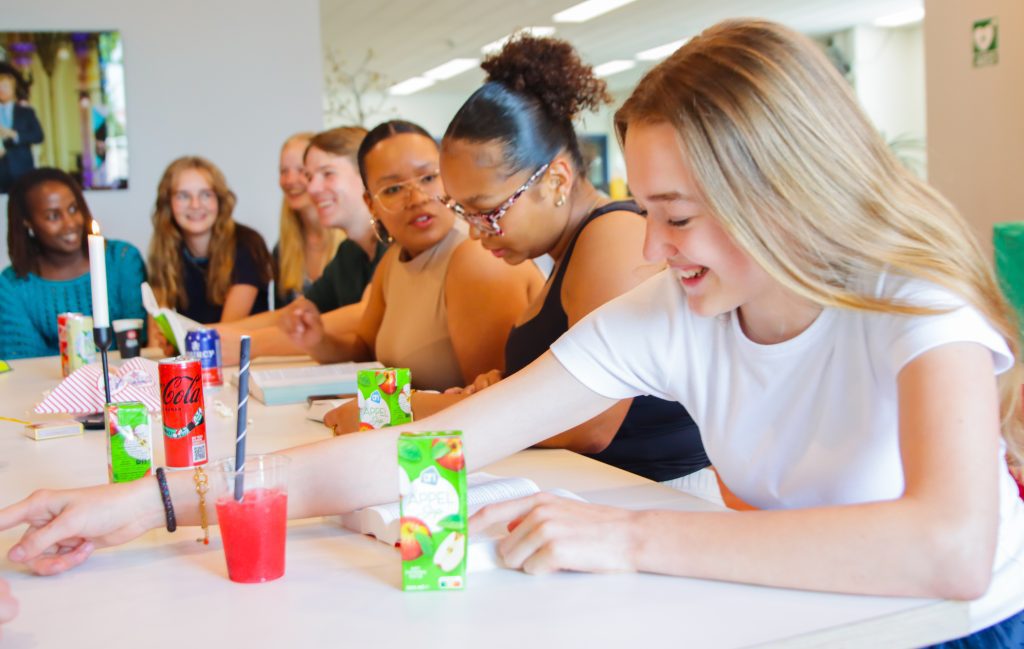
[428, 179]
[391, 190]
[679, 223]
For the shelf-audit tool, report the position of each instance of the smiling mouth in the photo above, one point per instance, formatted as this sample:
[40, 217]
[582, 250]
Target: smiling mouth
[693, 274]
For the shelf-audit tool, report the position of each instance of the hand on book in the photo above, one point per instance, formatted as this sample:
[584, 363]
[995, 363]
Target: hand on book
[479, 383]
[549, 533]
[157, 339]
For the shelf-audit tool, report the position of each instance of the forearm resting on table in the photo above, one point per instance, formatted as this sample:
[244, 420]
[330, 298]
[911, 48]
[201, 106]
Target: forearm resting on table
[899, 547]
[339, 349]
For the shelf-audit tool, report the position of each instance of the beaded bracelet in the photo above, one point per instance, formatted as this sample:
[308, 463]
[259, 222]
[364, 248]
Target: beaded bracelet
[165, 495]
[202, 486]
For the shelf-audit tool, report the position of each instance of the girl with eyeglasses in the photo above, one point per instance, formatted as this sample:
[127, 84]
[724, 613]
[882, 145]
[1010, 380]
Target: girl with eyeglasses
[202, 262]
[513, 169]
[47, 224]
[439, 304]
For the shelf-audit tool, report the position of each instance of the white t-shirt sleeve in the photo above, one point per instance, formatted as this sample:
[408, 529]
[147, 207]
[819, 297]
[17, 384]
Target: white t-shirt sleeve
[911, 336]
[622, 349]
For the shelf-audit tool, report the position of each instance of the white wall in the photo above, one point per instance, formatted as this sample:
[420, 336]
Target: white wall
[888, 76]
[976, 115]
[228, 80]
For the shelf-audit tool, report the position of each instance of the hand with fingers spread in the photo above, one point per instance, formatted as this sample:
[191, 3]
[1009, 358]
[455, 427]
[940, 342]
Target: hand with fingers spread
[8, 605]
[64, 527]
[548, 533]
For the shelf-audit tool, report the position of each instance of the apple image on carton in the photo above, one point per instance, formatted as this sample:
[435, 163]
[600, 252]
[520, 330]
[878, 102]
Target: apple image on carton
[449, 455]
[414, 538]
[390, 382]
[450, 552]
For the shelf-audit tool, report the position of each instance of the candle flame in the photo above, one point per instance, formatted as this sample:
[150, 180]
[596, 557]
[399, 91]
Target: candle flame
[95, 227]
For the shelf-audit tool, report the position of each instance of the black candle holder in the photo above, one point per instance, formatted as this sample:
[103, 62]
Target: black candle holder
[104, 337]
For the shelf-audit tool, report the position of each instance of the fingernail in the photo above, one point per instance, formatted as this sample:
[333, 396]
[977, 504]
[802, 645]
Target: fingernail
[16, 554]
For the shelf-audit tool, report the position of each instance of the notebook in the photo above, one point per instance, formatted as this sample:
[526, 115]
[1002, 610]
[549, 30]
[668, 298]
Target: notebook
[382, 521]
[171, 324]
[279, 386]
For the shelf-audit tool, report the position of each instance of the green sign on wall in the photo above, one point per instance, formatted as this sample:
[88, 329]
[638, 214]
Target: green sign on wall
[985, 37]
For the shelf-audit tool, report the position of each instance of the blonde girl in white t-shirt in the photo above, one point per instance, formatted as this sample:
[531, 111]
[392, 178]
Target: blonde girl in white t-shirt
[805, 264]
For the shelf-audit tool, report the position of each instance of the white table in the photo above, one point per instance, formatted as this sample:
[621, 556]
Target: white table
[341, 589]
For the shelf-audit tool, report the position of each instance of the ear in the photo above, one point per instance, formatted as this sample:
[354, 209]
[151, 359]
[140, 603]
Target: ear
[560, 175]
[368, 200]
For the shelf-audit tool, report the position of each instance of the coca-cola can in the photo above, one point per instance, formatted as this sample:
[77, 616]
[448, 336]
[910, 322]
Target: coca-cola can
[184, 414]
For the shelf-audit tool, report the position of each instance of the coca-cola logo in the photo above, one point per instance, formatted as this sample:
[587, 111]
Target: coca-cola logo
[182, 389]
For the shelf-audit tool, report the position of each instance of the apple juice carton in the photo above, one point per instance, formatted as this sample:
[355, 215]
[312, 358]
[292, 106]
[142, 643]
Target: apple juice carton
[129, 441]
[384, 397]
[432, 502]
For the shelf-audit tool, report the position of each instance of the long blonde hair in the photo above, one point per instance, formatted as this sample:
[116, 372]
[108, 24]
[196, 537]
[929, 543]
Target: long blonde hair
[166, 271]
[802, 181]
[291, 250]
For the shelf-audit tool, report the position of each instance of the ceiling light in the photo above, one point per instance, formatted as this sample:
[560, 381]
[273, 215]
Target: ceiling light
[660, 52]
[495, 46]
[613, 67]
[451, 68]
[409, 86]
[584, 11]
[901, 18]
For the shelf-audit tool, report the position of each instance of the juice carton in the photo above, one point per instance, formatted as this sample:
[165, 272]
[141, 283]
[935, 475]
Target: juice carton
[77, 348]
[384, 397]
[129, 441]
[432, 489]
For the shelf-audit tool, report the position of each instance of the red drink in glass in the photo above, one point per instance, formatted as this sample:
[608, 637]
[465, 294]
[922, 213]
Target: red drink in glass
[253, 534]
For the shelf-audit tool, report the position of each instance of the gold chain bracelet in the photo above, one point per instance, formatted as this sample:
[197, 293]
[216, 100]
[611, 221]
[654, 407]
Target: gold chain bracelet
[202, 486]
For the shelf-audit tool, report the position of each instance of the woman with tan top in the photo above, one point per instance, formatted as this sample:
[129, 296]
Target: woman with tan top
[439, 304]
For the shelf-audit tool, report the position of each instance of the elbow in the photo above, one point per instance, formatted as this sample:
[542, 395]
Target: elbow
[960, 562]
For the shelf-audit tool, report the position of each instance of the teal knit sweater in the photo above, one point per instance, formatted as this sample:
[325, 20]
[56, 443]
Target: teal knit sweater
[29, 305]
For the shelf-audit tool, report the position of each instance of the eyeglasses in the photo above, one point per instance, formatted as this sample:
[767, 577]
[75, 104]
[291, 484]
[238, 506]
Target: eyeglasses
[205, 196]
[487, 222]
[395, 197]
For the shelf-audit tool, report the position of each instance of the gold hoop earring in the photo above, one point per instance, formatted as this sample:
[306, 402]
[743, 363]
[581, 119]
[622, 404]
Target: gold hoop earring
[560, 201]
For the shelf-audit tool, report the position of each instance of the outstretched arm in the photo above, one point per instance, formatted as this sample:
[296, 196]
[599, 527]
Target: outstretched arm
[331, 476]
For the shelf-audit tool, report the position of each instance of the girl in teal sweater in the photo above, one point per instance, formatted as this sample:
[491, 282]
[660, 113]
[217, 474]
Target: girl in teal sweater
[47, 222]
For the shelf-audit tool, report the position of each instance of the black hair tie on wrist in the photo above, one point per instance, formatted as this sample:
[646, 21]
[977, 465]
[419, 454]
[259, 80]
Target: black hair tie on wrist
[165, 495]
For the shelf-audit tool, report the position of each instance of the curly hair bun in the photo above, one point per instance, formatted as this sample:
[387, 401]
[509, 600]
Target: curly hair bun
[549, 69]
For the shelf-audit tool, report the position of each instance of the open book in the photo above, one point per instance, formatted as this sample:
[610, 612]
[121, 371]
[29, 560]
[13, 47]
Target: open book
[383, 521]
[277, 386]
[172, 324]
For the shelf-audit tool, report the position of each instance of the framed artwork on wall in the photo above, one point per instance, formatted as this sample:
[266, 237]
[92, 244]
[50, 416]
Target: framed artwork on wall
[62, 104]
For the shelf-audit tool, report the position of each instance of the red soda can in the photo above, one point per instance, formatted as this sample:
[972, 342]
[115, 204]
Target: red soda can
[184, 415]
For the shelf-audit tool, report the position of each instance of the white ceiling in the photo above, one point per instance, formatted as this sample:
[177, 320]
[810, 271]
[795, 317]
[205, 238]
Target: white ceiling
[409, 37]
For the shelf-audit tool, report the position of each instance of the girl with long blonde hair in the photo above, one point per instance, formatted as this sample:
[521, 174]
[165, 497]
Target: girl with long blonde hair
[825, 318]
[202, 262]
[306, 245]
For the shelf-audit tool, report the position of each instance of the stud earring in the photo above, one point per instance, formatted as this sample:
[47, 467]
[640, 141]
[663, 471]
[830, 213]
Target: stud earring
[560, 201]
[31, 233]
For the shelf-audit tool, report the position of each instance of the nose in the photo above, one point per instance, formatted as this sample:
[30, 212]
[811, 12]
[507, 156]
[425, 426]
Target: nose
[313, 184]
[657, 246]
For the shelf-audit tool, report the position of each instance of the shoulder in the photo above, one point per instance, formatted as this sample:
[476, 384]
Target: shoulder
[122, 250]
[250, 239]
[902, 338]
[609, 229]
[471, 262]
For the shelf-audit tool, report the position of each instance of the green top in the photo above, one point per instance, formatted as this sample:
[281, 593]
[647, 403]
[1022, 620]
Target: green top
[345, 277]
[29, 306]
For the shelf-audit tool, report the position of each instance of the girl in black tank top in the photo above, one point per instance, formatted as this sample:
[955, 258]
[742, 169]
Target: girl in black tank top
[658, 439]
